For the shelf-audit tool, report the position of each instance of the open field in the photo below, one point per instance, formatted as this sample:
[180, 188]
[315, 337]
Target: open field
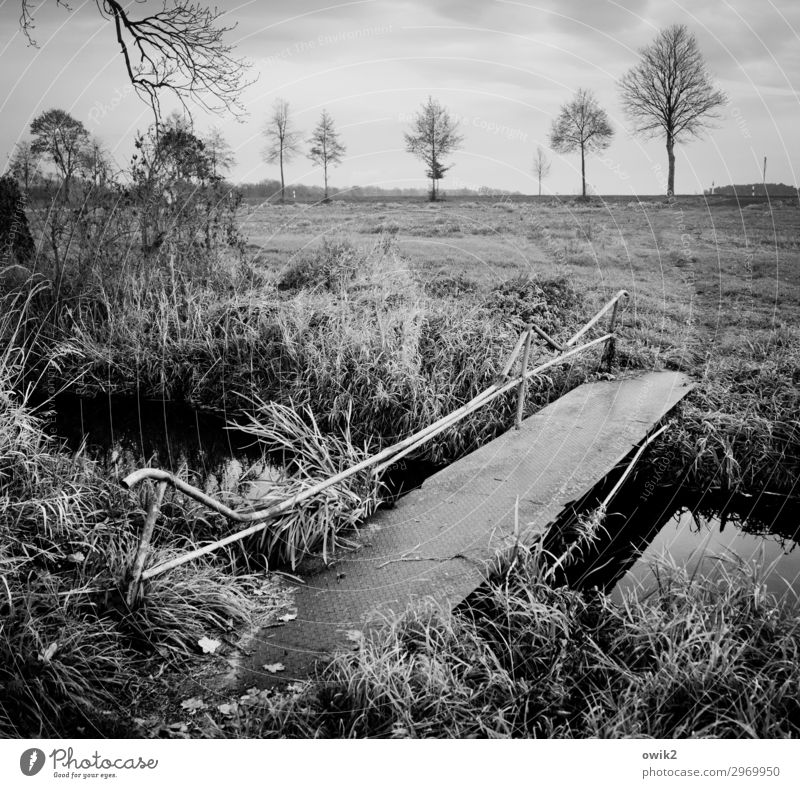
[371, 320]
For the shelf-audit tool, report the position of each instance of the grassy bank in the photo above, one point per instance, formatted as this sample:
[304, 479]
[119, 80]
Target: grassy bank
[342, 329]
[696, 659]
[73, 657]
[345, 332]
[380, 319]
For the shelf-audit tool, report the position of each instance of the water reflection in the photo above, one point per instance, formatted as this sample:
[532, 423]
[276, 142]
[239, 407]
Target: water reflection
[708, 547]
[704, 534]
[124, 433]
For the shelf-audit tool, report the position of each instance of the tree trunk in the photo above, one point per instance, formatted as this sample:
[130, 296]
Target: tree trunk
[671, 160]
[325, 176]
[540, 185]
[583, 171]
[282, 184]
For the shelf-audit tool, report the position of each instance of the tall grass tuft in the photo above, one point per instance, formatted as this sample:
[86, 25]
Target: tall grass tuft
[311, 457]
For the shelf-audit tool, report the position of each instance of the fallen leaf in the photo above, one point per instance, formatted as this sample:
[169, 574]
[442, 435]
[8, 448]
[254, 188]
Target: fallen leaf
[354, 635]
[287, 617]
[274, 667]
[76, 558]
[228, 709]
[48, 653]
[208, 645]
[193, 704]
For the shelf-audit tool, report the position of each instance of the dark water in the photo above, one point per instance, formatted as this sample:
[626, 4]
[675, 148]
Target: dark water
[124, 433]
[706, 534]
[709, 546]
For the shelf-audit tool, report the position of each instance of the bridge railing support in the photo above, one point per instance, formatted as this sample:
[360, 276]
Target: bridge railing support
[260, 517]
[523, 381]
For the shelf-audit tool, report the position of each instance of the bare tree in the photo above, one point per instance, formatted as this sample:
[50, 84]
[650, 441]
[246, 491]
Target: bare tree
[541, 166]
[61, 138]
[95, 163]
[219, 153]
[326, 147]
[283, 141]
[669, 92]
[24, 166]
[581, 125]
[179, 49]
[434, 134]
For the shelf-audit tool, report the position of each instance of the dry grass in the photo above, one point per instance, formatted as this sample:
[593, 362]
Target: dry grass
[696, 659]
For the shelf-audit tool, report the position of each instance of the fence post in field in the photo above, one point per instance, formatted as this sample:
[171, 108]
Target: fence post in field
[153, 508]
[523, 381]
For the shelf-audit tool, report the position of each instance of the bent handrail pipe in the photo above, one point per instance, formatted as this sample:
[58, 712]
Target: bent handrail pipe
[547, 338]
[156, 474]
[260, 517]
[575, 337]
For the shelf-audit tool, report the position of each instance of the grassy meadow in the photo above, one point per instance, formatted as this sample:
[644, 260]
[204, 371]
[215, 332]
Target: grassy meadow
[329, 332]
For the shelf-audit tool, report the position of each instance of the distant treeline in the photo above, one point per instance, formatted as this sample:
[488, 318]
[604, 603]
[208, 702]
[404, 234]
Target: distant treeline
[755, 190]
[271, 190]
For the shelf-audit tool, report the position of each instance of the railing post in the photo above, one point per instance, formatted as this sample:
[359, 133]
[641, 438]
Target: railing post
[523, 381]
[608, 353]
[153, 508]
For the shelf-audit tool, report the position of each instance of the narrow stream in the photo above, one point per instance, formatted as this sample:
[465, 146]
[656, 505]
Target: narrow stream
[709, 546]
[123, 433]
[706, 535]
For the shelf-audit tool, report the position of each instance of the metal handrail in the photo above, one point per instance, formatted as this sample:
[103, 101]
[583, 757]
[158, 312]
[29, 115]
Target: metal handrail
[261, 516]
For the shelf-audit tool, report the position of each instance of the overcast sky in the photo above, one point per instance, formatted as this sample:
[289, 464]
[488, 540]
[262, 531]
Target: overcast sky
[504, 68]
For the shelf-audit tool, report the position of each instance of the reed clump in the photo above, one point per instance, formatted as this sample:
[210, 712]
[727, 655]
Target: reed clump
[71, 651]
[739, 430]
[349, 333]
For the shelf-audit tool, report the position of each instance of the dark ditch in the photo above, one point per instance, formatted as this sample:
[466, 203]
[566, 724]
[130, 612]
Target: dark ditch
[122, 433]
[703, 532]
[707, 533]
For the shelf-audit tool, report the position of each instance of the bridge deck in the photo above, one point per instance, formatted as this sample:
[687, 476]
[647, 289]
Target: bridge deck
[438, 539]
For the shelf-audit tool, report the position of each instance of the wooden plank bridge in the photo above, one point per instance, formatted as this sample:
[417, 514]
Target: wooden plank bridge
[437, 541]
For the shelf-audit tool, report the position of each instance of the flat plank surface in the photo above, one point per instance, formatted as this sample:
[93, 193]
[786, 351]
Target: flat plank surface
[438, 539]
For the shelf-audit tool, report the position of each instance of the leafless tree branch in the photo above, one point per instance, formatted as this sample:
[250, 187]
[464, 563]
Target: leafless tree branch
[178, 49]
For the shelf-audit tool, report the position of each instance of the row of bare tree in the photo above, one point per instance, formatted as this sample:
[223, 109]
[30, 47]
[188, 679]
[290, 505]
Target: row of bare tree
[668, 94]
